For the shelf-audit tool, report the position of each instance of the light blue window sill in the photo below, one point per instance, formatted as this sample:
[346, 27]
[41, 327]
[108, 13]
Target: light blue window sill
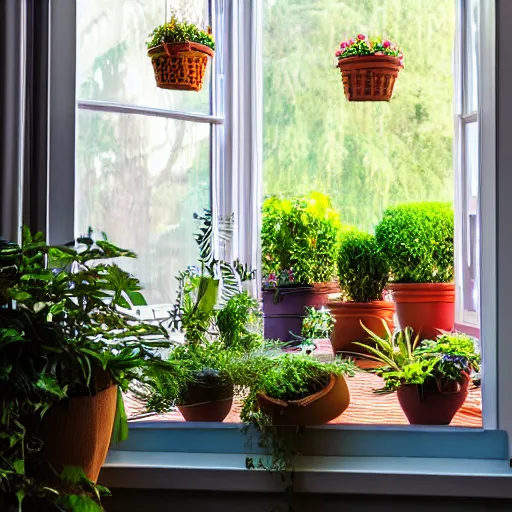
[397, 460]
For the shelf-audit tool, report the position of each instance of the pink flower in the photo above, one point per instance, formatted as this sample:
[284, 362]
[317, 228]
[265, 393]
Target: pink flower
[386, 44]
[351, 41]
[338, 53]
[343, 45]
[361, 37]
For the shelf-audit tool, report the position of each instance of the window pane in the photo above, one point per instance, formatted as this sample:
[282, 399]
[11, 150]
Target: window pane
[365, 155]
[140, 179]
[471, 55]
[112, 61]
[472, 231]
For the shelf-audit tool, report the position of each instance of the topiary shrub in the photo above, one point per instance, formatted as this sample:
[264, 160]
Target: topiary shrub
[300, 233]
[362, 267]
[417, 239]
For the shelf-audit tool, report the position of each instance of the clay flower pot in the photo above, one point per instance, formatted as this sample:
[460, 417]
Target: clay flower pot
[433, 403]
[348, 317]
[283, 311]
[207, 403]
[180, 66]
[427, 308]
[77, 432]
[315, 409]
[369, 77]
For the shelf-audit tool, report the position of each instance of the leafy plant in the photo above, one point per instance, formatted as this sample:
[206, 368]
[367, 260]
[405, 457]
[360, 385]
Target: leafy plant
[362, 46]
[176, 31]
[300, 234]
[408, 361]
[64, 332]
[417, 239]
[362, 267]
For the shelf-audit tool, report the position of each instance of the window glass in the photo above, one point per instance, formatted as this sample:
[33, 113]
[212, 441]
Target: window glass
[140, 179]
[471, 56]
[112, 59]
[366, 156]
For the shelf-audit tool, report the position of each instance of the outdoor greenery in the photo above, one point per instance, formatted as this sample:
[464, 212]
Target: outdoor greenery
[362, 268]
[176, 31]
[362, 46]
[417, 239]
[408, 360]
[370, 155]
[300, 234]
[64, 332]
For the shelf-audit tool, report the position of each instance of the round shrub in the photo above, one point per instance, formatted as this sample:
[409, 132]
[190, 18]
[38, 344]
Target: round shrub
[417, 239]
[300, 233]
[362, 268]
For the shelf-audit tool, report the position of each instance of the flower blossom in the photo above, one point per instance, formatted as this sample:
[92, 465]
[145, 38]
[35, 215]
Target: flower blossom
[361, 37]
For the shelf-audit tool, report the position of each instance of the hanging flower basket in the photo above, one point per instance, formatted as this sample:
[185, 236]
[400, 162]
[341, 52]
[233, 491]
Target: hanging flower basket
[179, 52]
[369, 69]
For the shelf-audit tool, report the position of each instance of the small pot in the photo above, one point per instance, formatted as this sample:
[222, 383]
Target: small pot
[283, 309]
[207, 402]
[433, 403]
[348, 317]
[427, 308]
[370, 77]
[315, 409]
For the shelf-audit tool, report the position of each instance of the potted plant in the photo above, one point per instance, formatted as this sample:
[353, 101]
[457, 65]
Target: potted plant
[299, 239]
[417, 239]
[215, 317]
[362, 274]
[68, 347]
[431, 377]
[179, 53]
[291, 390]
[369, 68]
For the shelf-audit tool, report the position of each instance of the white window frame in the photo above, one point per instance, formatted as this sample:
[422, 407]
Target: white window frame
[124, 466]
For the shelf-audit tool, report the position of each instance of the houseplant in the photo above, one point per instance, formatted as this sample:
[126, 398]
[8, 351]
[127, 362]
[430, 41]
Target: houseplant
[68, 346]
[431, 377]
[362, 274]
[369, 68]
[179, 53]
[417, 239]
[299, 239]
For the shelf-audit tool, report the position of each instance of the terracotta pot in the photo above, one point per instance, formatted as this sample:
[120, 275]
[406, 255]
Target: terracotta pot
[348, 317]
[180, 66]
[369, 78]
[433, 403]
[207, 402]
[283, 310]
[78, 431]
[315, 409]
[427, 308]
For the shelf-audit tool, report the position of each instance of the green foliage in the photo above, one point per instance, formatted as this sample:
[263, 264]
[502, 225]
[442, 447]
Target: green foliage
[64, 331]
[361, 46]
[362, 267]
[409, 361]
[317, 324]
[417, 239]
[300, 234]
[176, 31]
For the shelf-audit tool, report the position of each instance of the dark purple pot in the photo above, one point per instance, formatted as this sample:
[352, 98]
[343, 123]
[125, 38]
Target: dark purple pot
[283, 312]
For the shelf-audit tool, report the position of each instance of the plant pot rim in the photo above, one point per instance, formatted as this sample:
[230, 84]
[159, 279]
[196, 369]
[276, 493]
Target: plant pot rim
[370, 58]
[188, 405]
[380, 304]
[309, 287]
[422, 286]
[301, 402]
[176, 48]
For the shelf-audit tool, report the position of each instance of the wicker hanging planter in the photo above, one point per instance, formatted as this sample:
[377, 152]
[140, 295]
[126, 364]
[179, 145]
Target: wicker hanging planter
[369, 78]
[369, 68]
[180, 66]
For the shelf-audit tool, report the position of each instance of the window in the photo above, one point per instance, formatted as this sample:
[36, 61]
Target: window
[143, 154]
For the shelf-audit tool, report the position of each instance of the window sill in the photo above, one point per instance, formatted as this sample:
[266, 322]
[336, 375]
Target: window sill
[479, 478]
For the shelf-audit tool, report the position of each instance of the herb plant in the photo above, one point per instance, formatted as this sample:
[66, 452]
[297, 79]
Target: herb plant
[362, 267]
[300, 234]
[176, 31]
[417, 239]
[65, 331]
[406, 360]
